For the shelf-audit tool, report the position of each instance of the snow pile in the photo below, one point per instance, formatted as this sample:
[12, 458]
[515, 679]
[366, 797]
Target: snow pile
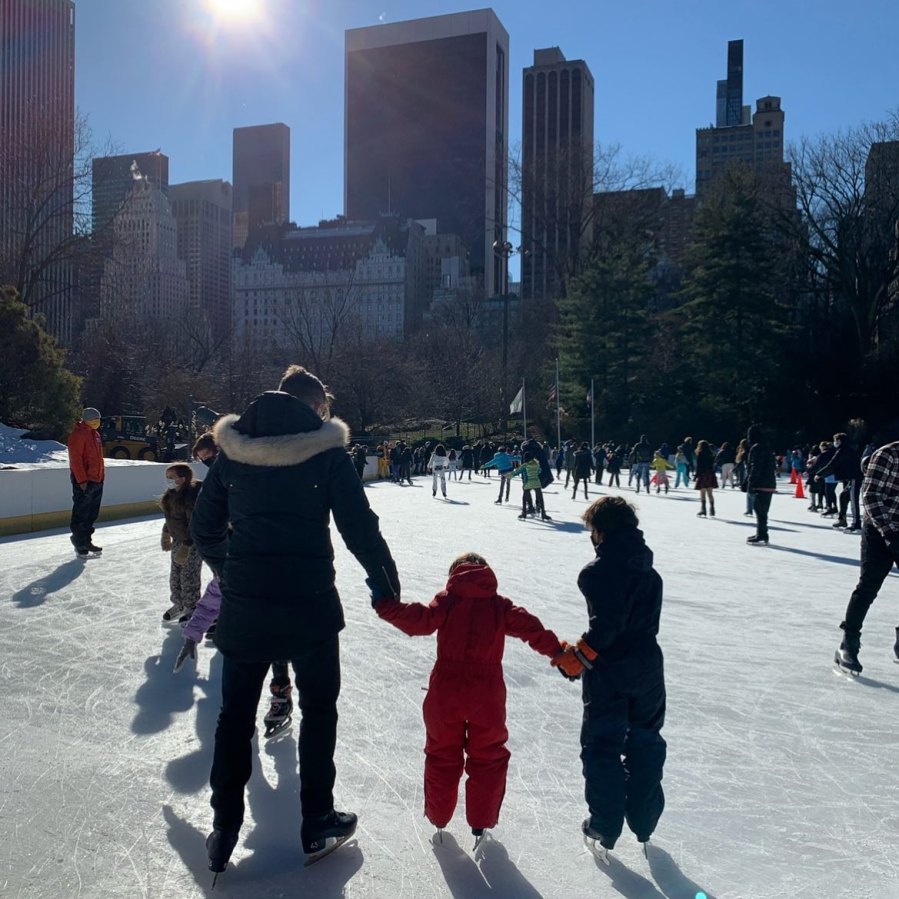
[14, 450]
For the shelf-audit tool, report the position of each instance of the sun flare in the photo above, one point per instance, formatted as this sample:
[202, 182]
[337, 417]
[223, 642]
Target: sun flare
[233, 10]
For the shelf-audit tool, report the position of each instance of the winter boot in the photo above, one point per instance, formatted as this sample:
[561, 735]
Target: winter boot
[279, 712]
[847, 655]
[712, 510]
[323, 831]
[219, 845]
[173, 614]
[701, 512]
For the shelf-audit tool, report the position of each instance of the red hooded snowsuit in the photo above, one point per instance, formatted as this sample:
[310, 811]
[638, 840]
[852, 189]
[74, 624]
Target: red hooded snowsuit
[465, 709]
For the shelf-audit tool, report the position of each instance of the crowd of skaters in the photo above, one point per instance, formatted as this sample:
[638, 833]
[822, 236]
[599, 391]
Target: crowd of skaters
[867, 477]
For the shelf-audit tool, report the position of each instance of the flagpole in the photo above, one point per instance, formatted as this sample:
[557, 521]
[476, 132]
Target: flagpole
[558, 410]
[524, 411]
[592, 416]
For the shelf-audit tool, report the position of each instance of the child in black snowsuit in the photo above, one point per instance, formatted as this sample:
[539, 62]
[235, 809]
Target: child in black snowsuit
[622, 750]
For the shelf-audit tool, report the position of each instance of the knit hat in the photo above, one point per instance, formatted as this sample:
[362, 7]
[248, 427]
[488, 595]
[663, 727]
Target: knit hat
[90, 414]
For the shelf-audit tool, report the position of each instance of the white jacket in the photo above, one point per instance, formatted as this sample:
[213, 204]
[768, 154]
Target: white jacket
[437, 462]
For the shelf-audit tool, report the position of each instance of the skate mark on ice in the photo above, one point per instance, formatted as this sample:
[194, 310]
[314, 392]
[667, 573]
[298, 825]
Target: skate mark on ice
[36, 593]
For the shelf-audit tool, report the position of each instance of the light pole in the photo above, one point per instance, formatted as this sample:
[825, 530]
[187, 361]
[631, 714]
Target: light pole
[505, 249]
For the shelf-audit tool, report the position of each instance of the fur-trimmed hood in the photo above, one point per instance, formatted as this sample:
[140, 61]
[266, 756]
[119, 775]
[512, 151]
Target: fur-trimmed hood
[299, 433]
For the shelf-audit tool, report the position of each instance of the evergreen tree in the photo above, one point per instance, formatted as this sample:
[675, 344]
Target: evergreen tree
[734, 319]
[604, 331]
[36, 391]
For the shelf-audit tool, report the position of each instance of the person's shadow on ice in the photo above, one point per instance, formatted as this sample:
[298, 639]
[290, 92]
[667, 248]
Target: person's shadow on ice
[493, 875]
[163, 693]
[37, 591]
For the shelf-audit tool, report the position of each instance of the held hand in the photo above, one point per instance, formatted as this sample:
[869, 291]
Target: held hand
[567, 662]
[83, 486]
[166, 542]
[188, 650]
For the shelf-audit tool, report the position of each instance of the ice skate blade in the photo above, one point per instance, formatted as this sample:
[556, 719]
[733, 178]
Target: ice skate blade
[840, 668]
[598, 850]
[275, 730]
[331, 844]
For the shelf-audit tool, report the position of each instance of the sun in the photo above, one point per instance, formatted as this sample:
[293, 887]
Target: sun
[232, 10]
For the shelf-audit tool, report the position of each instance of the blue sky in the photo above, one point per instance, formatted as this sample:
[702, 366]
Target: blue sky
[175, 75]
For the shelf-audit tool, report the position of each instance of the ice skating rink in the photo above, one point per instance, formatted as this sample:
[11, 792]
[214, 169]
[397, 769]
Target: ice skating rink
[782, 776]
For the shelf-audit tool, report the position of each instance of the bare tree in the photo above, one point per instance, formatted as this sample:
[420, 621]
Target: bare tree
[45, 206]
[847, 187]
[555, 193]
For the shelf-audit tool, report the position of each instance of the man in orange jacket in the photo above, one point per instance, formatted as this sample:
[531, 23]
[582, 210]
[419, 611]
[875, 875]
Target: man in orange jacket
[86, 468]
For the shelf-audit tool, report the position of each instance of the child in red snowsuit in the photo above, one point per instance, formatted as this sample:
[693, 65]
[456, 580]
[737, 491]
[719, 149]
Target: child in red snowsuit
[465, 708]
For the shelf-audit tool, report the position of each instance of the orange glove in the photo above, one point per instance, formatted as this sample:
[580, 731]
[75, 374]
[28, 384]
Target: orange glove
[572, 660]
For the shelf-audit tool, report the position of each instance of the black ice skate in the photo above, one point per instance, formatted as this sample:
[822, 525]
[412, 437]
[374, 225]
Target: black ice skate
[896, 647]
[279, 712]
[219, 846]
[93, 549]
[846, 657]
[757, 541]
[596, 842]
[325, 833]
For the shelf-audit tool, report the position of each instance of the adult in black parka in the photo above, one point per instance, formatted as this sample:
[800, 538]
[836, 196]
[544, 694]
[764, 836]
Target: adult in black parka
[262, 524]
[622, 749]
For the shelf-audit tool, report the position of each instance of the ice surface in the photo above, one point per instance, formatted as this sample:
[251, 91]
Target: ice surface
[781, 777]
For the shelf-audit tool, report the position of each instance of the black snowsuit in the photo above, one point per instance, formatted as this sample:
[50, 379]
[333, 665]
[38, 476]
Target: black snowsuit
[280, 476]
[622, 749]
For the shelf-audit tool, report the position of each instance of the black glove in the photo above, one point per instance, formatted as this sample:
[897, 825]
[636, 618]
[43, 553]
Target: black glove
[189, 649]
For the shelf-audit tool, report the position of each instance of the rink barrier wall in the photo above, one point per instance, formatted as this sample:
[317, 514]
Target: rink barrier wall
[40, 499]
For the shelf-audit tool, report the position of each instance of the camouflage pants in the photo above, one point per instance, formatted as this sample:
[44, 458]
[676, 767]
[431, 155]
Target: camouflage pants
[184, 579]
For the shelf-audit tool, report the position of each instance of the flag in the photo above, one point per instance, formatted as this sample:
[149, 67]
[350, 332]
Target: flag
[552, 394]
[518, 402]
[590, 396]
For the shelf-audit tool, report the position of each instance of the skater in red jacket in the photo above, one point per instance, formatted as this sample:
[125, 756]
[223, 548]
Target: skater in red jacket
[465, 707]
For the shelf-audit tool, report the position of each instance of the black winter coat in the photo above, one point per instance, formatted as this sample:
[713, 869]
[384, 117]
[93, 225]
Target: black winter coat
[537, 452]
[624, 597]
[281, 473]
[760, 470]
[844, 464]
[583, 463]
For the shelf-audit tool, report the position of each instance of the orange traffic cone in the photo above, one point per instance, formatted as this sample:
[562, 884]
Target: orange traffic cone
[800, 493]
[793, 476]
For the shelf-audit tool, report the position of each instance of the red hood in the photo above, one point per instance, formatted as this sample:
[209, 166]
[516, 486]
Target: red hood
[472, 581]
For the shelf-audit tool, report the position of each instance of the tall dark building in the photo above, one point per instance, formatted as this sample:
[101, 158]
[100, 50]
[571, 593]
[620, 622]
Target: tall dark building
[261, 178]
[758, 143]
[202, 211]
[37, 138]
[426, 129]
[557, 170]
[112, 180]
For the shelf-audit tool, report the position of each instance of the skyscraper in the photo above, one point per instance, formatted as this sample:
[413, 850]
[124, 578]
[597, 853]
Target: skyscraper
[758, 143]
[557, 170]
[261, 178]
[112, 178]
[202, 211]
[37, 138]
[426, 129]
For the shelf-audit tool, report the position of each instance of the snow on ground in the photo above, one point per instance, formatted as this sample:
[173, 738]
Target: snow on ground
[781, 777]
[25, 453]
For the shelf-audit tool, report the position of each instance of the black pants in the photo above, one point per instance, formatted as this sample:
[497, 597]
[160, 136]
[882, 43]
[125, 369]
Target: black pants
[85, 509]
[877, 561]
[761, 503]
[527, 504]
[317, 676]
[622, 749]
[581, 478]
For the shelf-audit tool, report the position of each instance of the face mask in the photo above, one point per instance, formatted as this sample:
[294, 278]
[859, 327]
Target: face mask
[94, 423]
[208, 462]
[171, 483]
